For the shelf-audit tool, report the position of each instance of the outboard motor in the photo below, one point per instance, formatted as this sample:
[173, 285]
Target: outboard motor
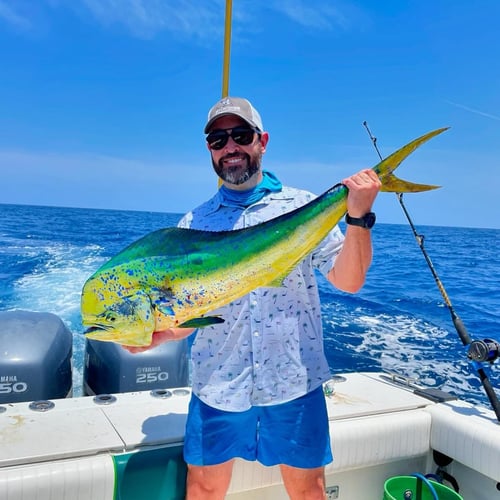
[35, 357]
[109, 368]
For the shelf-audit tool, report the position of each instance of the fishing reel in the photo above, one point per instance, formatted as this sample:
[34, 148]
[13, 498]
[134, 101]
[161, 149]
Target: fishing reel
[483, 350]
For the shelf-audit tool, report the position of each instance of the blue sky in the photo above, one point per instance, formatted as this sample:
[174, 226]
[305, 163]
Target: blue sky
[103, 102]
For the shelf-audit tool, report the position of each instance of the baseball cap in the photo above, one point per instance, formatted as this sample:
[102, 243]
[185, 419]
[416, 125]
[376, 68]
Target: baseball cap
[234, 106]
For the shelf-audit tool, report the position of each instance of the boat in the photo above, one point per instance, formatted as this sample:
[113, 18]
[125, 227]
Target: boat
[128, 445]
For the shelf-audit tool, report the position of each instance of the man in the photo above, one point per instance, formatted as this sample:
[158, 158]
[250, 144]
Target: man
[257, 378]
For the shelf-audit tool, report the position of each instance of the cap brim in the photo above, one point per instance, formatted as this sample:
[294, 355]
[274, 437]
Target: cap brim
[215, 118]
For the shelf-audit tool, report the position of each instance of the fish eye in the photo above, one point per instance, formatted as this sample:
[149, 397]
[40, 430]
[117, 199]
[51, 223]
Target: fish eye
[110, 316]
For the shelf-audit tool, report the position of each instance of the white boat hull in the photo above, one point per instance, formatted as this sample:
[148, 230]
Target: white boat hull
[80, 450]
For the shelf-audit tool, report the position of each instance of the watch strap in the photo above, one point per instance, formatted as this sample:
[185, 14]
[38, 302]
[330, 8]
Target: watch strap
[367, 221]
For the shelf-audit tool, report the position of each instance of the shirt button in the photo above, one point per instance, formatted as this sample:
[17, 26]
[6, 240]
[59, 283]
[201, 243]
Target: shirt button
[256, 364]
[256, 334]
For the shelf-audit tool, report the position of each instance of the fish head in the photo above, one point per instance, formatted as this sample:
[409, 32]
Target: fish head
[125, 317]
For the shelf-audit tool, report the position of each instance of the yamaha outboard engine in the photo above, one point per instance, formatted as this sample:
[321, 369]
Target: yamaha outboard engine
[35, 357]
[109, 368]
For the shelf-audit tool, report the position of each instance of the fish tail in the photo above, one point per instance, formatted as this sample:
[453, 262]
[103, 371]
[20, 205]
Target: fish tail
[393, 184]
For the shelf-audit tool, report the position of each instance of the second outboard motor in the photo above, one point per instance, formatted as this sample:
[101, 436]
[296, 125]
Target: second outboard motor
[35, 357]
[110, 369]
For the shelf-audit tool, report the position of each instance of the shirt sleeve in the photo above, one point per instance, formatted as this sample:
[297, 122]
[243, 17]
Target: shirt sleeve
[185, 221]
[323, 257]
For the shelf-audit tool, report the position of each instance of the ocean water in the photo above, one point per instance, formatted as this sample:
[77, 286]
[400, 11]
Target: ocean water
[398, 322]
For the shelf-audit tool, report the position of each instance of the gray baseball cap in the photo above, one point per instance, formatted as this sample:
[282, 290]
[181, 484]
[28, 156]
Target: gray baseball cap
[234, 106]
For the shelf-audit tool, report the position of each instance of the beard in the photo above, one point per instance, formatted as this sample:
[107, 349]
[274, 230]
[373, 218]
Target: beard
[238, 174]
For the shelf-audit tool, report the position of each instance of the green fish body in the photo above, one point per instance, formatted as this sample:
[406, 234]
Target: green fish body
[174, 277]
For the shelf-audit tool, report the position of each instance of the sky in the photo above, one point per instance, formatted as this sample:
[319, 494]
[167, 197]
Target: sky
[103, 102]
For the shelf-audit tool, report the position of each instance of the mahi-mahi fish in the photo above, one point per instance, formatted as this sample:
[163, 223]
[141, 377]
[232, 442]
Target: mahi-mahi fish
[175, 277]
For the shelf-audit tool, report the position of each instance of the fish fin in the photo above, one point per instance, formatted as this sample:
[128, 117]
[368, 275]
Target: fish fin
[120, 337]
[385, 168]
[278, 282]
[161, 302]
[165, 309]
[202, 322]
[393, 184]
[280, 279]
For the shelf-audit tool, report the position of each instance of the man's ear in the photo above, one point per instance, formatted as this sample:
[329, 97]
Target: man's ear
[264, 139]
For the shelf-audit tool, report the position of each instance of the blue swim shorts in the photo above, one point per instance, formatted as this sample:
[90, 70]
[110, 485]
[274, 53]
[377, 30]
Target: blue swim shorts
[293, 433]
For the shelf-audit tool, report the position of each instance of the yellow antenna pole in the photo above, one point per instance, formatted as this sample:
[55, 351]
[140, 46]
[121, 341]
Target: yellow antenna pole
[227, 49]
[227, 55]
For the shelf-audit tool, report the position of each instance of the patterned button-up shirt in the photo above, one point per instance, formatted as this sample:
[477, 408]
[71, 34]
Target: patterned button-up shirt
[269, 349]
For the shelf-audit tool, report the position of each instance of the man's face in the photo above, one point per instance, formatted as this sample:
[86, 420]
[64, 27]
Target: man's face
[236, 164]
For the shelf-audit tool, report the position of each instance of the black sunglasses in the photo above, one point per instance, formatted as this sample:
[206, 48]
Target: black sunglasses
[242, 135]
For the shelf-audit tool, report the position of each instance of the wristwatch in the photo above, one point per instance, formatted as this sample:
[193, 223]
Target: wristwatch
[367, 221]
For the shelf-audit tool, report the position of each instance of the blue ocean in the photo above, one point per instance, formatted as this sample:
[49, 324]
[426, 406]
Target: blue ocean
[399, 322]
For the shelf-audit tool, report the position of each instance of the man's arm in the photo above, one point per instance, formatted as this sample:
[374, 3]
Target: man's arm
[353, 261]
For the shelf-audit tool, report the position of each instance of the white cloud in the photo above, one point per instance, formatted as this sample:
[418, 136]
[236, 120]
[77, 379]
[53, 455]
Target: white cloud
[319, 16]
[146, 18]
[13, 17]
[203, 20]
[475, 111]
[191, 19]
[101, 181]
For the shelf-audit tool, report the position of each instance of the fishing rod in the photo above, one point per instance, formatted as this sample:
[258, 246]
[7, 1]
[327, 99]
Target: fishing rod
[479, 351]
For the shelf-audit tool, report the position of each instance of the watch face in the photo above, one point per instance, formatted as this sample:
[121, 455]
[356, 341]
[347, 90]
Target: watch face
[369, 219]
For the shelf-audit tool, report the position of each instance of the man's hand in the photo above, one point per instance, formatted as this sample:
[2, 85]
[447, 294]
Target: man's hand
[161, 337]
[363, 189]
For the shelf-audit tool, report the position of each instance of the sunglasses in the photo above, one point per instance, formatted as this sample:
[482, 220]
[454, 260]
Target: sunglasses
[242, 136]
